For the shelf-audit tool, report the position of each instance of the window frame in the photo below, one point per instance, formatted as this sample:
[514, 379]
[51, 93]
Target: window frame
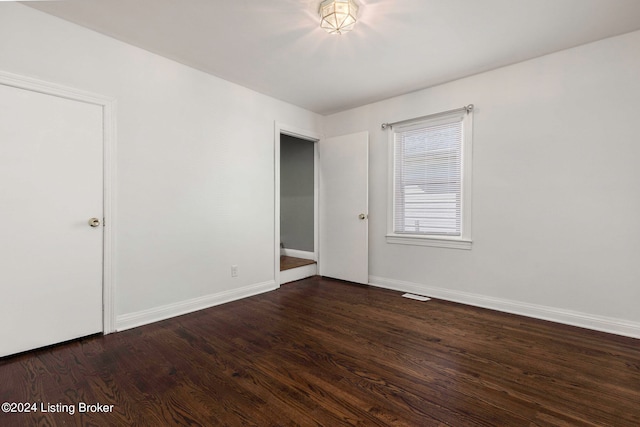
[463, 241]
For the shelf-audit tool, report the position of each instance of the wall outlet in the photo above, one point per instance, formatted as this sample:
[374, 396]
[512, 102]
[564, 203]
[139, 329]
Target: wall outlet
[234, 271]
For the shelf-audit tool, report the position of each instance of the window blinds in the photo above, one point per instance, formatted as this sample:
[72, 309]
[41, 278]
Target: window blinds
[428, 178]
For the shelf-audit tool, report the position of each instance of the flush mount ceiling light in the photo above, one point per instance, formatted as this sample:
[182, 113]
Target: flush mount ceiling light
[338, 16]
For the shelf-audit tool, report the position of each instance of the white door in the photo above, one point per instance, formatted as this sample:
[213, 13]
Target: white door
[344, 206]
[51, 184]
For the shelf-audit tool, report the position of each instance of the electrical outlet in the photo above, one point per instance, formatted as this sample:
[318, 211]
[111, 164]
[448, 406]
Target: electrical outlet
[234, 271]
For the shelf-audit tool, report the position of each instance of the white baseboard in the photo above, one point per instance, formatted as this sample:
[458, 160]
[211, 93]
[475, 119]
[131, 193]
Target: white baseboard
[298, 273]
[568, 317]
[144, 317]
[298, 254]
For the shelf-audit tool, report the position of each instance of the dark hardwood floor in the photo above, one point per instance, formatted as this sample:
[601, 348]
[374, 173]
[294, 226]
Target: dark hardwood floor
[320, 352]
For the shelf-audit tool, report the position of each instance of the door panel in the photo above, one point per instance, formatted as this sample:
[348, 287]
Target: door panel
[344, 178]
[51, 183]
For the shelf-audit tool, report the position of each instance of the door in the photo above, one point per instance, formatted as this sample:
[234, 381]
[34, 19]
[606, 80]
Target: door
[51, 184]
[344, 205]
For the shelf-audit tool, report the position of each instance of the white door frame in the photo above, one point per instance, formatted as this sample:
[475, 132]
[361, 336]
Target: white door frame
[109, 178]
[307, 135]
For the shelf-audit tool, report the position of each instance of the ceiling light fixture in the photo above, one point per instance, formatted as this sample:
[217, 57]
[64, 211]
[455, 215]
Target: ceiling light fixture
[338, 16]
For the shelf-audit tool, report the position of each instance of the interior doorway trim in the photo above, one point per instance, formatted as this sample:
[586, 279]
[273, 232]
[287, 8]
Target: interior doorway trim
[109, 175]
[284, 129]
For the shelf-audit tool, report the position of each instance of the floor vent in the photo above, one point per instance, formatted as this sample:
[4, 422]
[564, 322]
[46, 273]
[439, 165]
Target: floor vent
[416, 297]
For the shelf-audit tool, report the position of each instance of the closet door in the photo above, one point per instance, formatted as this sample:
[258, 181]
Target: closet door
[51, 190]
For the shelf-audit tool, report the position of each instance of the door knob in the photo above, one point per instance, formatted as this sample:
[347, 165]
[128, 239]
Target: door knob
[362, 216]
[94, 222]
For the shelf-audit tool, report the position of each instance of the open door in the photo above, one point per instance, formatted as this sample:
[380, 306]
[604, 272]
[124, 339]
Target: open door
[344, 207]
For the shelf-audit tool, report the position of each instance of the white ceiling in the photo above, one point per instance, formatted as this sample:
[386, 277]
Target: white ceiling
[398, 46]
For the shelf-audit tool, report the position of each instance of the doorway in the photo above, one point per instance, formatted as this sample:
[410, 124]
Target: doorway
[296, 205]
[340, 207]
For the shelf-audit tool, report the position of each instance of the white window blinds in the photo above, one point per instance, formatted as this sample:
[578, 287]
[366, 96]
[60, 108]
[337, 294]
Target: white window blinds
[428, 178]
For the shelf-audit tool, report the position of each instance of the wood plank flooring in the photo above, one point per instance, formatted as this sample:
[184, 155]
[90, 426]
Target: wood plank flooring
[289, 262]
[321, 352]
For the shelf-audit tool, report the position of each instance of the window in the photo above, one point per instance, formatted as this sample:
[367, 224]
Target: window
[430, 181]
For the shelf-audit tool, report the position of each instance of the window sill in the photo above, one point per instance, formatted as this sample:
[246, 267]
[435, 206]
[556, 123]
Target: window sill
[439, 242]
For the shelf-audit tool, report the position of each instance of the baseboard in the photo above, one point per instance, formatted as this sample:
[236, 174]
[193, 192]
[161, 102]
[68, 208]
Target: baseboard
[298, 254]
[568, 317]
[298, 273]
[144, 317]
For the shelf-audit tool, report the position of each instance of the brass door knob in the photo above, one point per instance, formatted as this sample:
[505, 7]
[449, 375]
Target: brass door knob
[94, 222]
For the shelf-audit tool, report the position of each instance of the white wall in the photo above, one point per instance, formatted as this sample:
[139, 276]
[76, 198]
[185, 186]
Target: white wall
[556, 194]
[195, 164]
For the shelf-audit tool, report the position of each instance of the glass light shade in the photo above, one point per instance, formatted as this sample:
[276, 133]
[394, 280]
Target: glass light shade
[338, 16]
